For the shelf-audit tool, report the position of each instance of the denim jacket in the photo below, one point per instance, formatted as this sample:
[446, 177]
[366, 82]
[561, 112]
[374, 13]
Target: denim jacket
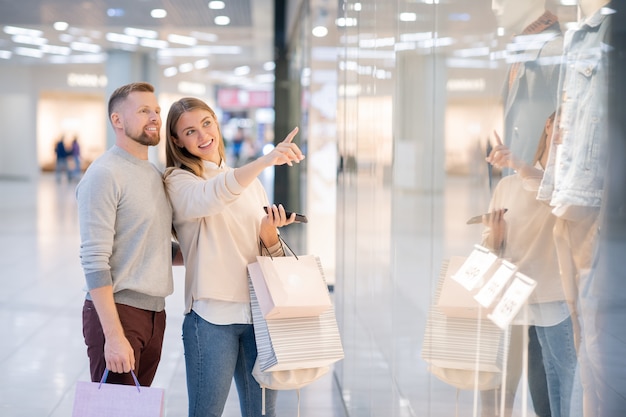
[575, 170]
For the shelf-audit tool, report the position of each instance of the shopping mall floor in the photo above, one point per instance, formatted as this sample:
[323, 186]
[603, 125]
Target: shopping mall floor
[42, 353]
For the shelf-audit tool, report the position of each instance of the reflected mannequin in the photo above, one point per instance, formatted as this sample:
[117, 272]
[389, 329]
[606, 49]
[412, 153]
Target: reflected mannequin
[533, 56]
[515, 15]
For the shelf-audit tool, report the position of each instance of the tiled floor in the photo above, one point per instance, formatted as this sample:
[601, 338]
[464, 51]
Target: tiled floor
[42, 353]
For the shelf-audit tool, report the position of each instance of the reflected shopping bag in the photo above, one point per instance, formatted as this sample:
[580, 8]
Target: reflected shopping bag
[464, 352]
[290, 286]
[93, 399]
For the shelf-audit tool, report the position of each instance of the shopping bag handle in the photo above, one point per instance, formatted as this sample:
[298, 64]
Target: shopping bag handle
[106, 373]
[284, 243]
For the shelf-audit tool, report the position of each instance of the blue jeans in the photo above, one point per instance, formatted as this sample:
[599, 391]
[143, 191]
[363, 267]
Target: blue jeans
[560, 361]
[214, 354]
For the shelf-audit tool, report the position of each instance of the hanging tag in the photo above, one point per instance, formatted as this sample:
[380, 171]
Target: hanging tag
[474, 267]
[512, 301]
[488, 293]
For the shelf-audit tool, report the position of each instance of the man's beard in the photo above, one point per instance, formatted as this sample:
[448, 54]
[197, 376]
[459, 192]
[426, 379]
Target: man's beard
[145, 139]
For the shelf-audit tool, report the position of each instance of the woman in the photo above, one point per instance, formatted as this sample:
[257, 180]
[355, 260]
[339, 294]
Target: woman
[524, 236]
[220, 222]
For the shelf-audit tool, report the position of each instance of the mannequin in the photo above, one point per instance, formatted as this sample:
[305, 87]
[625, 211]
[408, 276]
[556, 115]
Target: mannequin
[575, 185]
[590, 7]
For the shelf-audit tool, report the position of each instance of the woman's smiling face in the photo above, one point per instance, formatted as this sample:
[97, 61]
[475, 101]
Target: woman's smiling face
[198, 132]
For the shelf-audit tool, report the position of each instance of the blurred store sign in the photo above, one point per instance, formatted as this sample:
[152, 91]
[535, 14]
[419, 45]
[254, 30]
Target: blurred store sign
[236, 98]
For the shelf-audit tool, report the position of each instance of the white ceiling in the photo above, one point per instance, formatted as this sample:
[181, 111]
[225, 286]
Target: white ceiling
[246, 41]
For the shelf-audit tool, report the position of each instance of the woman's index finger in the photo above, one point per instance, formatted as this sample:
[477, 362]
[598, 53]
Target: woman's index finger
[498, 140]
[291, 135]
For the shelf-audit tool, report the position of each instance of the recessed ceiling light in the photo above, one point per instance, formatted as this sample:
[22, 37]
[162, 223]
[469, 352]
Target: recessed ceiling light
[319, 31]
[182, 40]
[115, 12]
[170, 71]
[186, 67]
[217, 5]
[158, 13]
[14, 30]
[60, 26]
[141, 33]
[408, 17]
[222, 20]
[201, 63]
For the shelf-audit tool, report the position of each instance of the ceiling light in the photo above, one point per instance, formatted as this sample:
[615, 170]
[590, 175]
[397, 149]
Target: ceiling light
[170, 71]
[14, 30]
[115, 12]
[201, 63]
[58, 50]
[222, 20]
[216, 5]
[182, 40]
[61, 26]
[154, 43]
[243, 70]
[408, 17]
[5, 54]
[29, 40]
[209, 37]
[34, 53]
[319, 31]
[141, 33]
[120, 38]
[187, 67]
[269, 66]
[158, 13]
[346, 22]
[85, 47]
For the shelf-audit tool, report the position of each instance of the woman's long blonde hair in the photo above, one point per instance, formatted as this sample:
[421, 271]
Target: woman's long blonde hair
[179, 157]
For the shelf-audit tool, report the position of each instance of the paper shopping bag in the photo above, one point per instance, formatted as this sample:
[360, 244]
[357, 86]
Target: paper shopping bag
[295, 343]
[464, 352]
[290, 286]
[93, 399]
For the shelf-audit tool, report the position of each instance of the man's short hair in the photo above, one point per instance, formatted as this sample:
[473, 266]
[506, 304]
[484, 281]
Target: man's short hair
[122, 93]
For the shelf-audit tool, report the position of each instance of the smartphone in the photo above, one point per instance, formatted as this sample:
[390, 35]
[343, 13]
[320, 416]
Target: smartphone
[301, 218]
[479, 218]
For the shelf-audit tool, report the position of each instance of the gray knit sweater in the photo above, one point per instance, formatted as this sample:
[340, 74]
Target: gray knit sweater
[125, 229]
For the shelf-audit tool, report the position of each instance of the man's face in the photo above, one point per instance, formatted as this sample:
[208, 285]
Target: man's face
[140, 115]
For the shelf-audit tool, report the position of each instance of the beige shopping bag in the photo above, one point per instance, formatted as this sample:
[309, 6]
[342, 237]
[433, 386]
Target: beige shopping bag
[289, 286]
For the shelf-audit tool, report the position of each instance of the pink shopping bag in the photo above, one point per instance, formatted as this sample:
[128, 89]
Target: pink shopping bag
[95, 399]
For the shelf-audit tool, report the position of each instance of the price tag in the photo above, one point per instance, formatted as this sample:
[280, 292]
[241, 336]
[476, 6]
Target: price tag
[488, 293]
[474, 267]
[512, 301]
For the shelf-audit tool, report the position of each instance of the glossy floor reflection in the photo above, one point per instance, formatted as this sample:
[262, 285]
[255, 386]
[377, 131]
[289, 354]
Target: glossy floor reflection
[42, 353]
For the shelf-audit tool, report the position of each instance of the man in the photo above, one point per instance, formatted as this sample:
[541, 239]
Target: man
[574, 179]
[126, 250]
